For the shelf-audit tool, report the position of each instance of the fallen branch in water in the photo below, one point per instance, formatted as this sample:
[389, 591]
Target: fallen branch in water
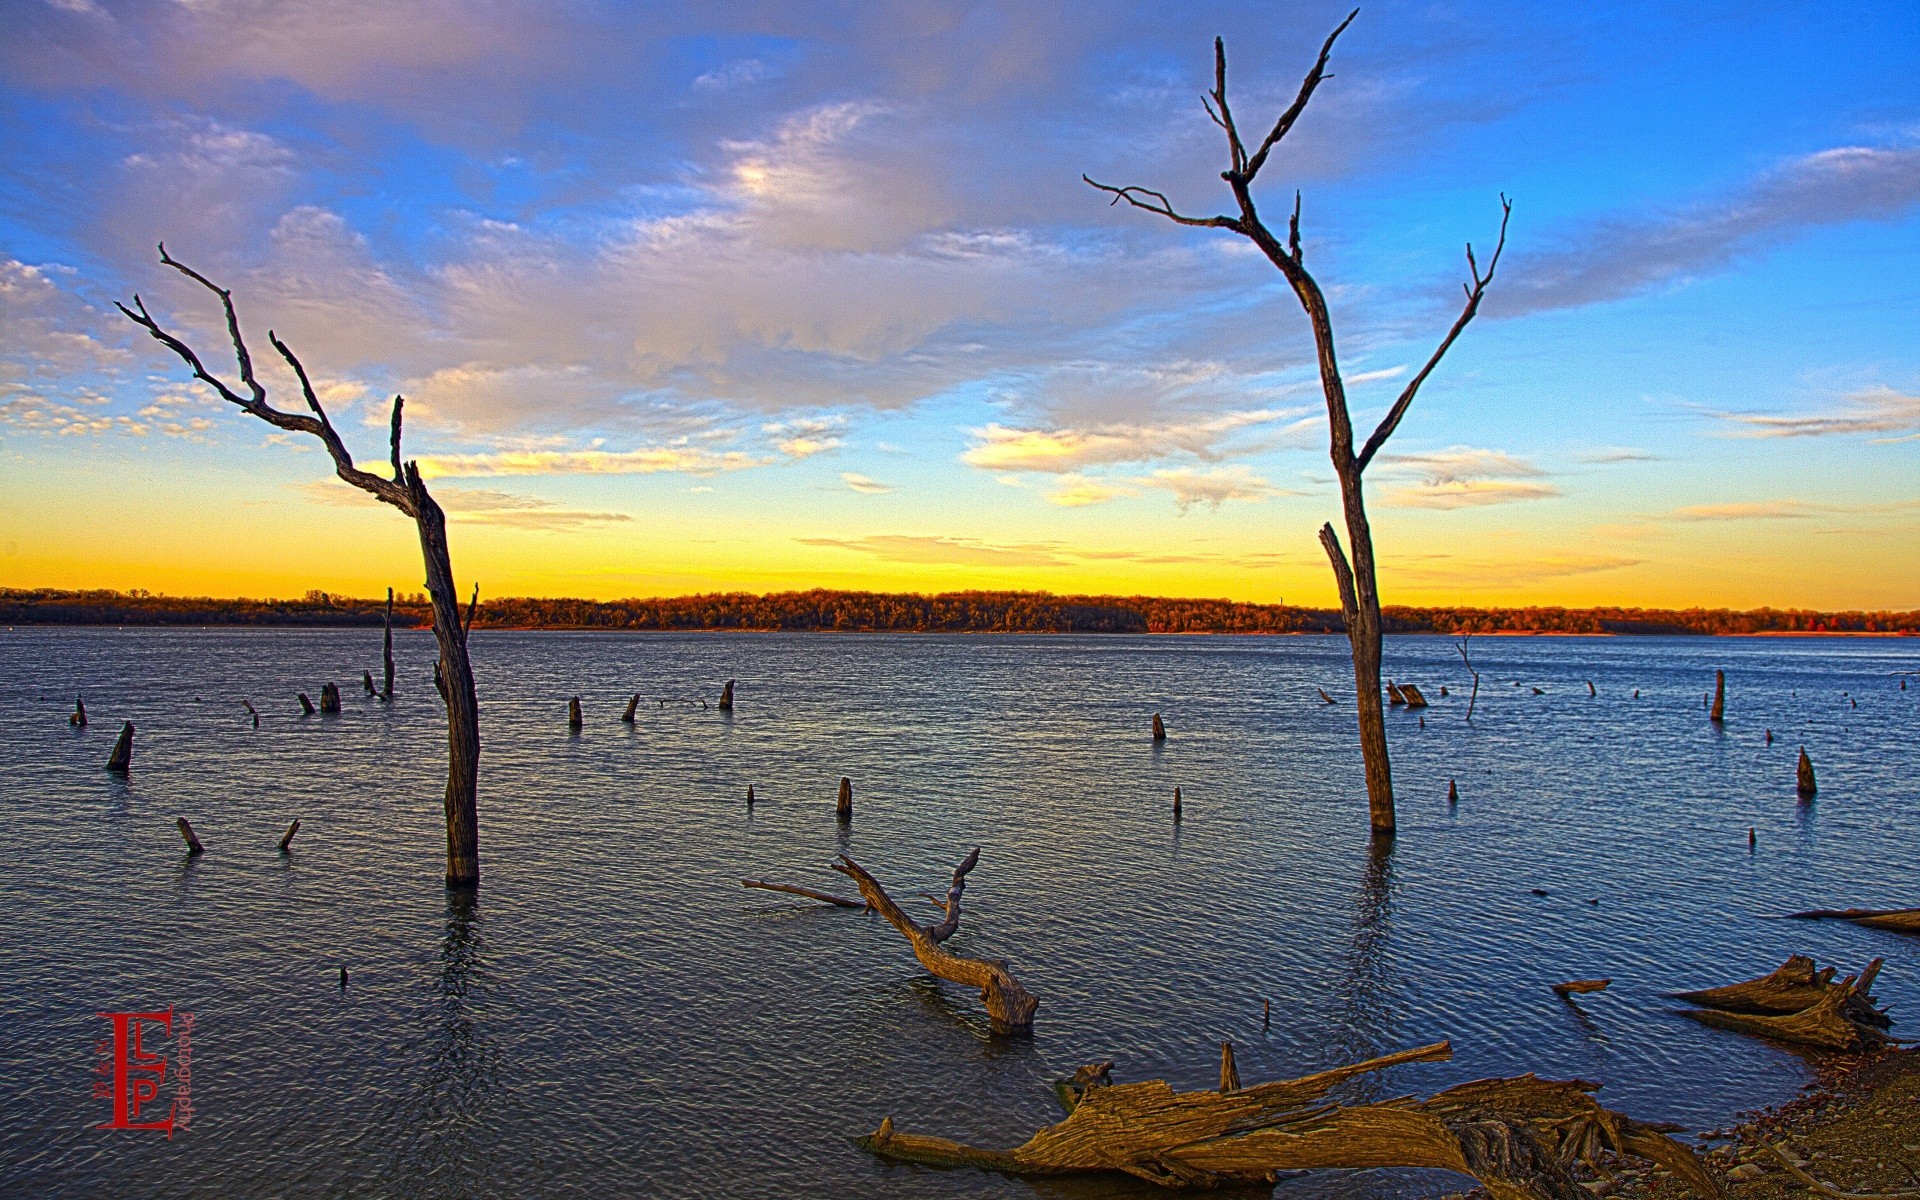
[809, 893]
[1900, 920]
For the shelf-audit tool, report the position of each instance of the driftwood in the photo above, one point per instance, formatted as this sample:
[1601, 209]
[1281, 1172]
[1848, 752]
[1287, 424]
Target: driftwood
[1838, 1016]
[306, 705]
[287, 841]
[1590, 689]
[1473, 697]
[1412, 696]
[726, 697]
[252, 712]
[1519, 1137]
[843, 807]
[1580, 987]
[1900, 920]
[1826, 1189]
[1394, 694]
[121, 760]
[329, 697]
[1792, 987]
[1719, 712]
[186, 831]
[1159, 729]
[1008, 1004]
[809, 893]
[1804, 775]
[1229, 1070]
[79, 717]
[632, 703]
[573, 714]
[1323, 695]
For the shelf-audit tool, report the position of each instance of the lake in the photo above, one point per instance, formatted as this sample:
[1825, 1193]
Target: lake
[613, 1014]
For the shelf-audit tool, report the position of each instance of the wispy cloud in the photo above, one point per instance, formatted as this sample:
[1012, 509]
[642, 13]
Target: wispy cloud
[1063, 451]
[1080, 491]
[692, 460]
[863, 485]
[477, 506]
[904, 548]
[1788, 510]
[1464, 477]
[804, 437]
[1212, 487]
[1623, 255]
[1875, 410]
[1604, 455]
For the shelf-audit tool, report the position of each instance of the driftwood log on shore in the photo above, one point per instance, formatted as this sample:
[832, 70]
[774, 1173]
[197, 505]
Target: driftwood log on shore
[1008, 1004]
[1900, 920]
[120, 761]
[1798, 1004]
[1519, 1137]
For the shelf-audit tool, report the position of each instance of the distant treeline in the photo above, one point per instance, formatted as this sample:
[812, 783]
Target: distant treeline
[949, 612]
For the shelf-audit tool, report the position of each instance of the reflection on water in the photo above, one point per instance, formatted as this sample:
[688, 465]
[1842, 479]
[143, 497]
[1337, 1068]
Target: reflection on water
[613, 1012]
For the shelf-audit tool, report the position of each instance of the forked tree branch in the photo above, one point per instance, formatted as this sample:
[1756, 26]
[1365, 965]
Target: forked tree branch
[1132, 195]
[393, 492]
[1474, 292]
[1342, 571]
[1284, 125]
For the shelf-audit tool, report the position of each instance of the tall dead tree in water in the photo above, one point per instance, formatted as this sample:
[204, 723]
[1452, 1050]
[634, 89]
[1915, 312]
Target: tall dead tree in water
[407, 492]
[1359, 591]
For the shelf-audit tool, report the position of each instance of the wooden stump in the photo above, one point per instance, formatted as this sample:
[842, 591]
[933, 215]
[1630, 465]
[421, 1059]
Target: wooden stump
[1899, 920]
[1323, 695]
[843, 807]
[1229, 1070]
[1590, 689]
[749, 795]
[306, 705]
[366, 681]
[1176, 804]
[574, 720]
[121, 760]
[252, 712]
[186, 831]
[1578, 987]
[1453, 793]
[329, 697]
[1719, 712]
[1394, 694]
[1412, 696]
[1159, 729]
[633, 703]
[1804, 772]
[386, 654]
[79, 717]
[809, 893]
[287, 841]
[726, 697]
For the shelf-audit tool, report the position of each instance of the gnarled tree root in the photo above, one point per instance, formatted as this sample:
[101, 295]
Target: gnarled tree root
[1008, 1004]
[1519, 1137]
[1844, 1018]
[1794, 986]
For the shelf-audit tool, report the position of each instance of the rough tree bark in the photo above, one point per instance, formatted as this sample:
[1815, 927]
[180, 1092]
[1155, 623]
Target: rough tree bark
[386, 692]
[1519, 1137]
[1355, 576]
[406, 491]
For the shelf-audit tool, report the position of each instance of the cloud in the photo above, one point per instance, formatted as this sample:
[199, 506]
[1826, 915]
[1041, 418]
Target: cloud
[1602, 455]
[946, 550]
[733, 74]
[475, 506]
[692, 460]
[804, 437]
[1518, 570]
[1763, 510]
[1375, 376]
[1875, 410]
[863, 485]
[1464, 477]
[1079, 491]
[1212, 488]
[1625, 255]
[1062, 451]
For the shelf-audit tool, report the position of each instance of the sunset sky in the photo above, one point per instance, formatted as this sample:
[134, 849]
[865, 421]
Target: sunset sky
[688, 297]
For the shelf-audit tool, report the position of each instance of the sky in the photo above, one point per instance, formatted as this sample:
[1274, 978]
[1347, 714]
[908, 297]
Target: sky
[694, 297]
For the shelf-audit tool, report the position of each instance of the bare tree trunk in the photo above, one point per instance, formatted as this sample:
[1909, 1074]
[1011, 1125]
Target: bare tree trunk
[1359, 589]
[456, 676]
[387, 649]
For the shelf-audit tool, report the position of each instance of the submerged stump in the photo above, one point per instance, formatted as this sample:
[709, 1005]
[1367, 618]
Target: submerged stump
[574, 720]
[186, 831]
[329, 697]
[1804, 780]
[1159, 729]
[726, 697]
[366, 681]
[843, 807]
[1719, 712]
[1411, 695]
[306, 705]
[287, 841]
[79, 717]
[626, 717]
[121, 759]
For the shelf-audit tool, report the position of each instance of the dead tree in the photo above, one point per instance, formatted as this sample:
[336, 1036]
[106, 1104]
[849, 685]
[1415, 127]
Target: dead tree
[1359, 589]
[1008, 1004]
[1718, 713]
[1475, 695]
[406, 491]
[387, 650]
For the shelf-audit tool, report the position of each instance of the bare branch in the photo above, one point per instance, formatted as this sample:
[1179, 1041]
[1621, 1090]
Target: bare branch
[1342, 573]
[1162, 207]
[1475, 292]
[1236, 150]
[392, 493]
[233, 323]
[473, 606]
[1293, 229]
[1299, 105]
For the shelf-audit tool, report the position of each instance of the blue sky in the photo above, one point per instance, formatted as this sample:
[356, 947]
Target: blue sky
[698, 296]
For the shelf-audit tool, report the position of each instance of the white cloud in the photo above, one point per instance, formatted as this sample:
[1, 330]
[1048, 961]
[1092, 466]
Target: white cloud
[1463, 477]
[863, 485]
[688, 459]
[1213, 487]
[1060, 451]
[1875, 410]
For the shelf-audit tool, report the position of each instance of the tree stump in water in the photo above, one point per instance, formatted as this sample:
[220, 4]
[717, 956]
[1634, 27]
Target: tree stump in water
[186, 831]
[1176, 804]
[1412, 696]
[749, 795]
[574, 720]
[1453, 793]
[1323, 695]
[726, 697]
[1229, 1070]
[633, 703]
[1797, 1003]
[1719, 712]
[121, 759]
[287, 841]
[1519, 1137]
[79, 717]
[252, 712]
[1394, 694]
[1159, 729]
[306, 705]
[843, 807]
[366, 681]
[1008, 1004]
[1580, 987]
[1804, 773]
[329, 698]
[1590, 689]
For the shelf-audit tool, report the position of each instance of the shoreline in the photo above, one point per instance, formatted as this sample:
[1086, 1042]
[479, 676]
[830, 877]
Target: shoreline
[483, 627]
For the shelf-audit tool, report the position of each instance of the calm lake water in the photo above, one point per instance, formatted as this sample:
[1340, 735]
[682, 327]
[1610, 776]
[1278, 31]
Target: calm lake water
[615, 1015]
